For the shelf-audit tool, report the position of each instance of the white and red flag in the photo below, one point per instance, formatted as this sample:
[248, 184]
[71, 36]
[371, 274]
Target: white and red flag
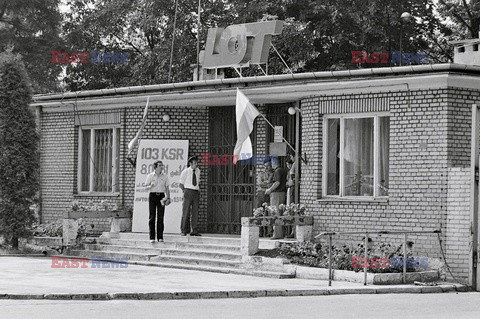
[245, 113]
[133, 142]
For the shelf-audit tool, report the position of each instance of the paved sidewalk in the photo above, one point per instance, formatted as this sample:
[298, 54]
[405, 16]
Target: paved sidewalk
[34, 278]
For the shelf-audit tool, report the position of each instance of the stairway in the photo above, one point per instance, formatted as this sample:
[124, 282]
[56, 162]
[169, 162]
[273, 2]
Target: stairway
[209, 252]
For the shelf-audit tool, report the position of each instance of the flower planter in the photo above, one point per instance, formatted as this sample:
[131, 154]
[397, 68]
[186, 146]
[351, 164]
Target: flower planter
[251, 229]
[303, 272]
[120, 221]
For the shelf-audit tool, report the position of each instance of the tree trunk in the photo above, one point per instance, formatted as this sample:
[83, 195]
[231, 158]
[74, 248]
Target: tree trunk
[14, 242]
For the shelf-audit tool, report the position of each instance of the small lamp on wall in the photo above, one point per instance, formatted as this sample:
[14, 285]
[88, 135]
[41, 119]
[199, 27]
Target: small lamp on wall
[166, 117]
[293, 109]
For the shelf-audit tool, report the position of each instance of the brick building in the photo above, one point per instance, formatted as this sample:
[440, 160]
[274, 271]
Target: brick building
[385, 149]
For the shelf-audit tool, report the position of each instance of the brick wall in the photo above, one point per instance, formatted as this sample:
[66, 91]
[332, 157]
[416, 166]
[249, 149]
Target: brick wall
[429, 164]
[59, 148]
[457, 246]
[260, 144]
[57, 159]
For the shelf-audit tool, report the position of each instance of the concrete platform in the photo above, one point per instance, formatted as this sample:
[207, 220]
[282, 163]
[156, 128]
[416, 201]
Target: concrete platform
[34, 278]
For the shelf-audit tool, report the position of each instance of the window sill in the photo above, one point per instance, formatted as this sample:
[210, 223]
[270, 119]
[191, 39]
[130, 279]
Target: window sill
[96, 194]
[353, 199]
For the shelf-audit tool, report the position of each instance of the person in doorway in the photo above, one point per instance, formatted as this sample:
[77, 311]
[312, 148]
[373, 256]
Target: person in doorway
[264, 181]
[189, 184]
[158, 185]
[290, 230]
[290, 180]
[277, 192]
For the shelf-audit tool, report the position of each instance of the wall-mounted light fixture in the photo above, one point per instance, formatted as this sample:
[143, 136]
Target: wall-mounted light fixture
[293, 109]
[166, 117]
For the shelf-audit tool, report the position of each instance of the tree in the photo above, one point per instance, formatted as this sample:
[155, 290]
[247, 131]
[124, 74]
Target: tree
[143, 28]
[32, 27]
[318, 34]
[18, 150]
[465, 14]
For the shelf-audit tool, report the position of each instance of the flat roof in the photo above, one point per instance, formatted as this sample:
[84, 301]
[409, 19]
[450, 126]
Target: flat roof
[269, 89]
[465, 42]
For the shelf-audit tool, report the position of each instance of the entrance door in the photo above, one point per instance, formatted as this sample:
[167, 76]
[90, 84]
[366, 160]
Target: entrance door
[231, 188]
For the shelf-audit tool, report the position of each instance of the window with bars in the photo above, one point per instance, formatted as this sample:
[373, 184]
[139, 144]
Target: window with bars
[98, 159]
[356, 155]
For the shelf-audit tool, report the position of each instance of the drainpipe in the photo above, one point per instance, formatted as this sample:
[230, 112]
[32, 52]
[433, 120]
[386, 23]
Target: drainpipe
[297, 155]
[474, 162]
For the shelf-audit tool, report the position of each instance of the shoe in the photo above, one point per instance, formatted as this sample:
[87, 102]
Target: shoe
[184, 234]
[195, 234]
[152, 240]
[160, 240]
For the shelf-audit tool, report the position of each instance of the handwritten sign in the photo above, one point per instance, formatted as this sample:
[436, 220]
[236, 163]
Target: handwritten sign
[173, 154]
[278, 134]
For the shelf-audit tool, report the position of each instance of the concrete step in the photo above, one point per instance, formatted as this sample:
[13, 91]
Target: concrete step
[170, 259]
[139, 259]
[174, 245]
[98, 254]
[204, 239]
[164, 249]
[267, 274]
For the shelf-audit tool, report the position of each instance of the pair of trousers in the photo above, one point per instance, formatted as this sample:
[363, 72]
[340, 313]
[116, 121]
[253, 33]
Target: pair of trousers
[261, 198]
[191, 200]
[277, 198]
[157, 211]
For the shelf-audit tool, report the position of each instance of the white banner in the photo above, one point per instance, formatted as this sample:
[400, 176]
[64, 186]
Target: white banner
[173, 154]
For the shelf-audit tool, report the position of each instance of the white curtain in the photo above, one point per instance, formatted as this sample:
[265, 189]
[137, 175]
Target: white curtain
[333, 162]
[358, 157]
[384, 156]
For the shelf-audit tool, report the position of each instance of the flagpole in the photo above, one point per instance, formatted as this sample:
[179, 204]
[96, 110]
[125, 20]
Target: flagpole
[286, 142]
[138, 136]
[198, 40]
[274, 129]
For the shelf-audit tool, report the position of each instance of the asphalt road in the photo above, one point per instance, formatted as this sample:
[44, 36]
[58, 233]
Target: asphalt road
[425, 306]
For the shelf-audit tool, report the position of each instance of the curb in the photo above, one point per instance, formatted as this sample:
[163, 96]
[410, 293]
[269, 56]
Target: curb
[240, 293]
[24, 255]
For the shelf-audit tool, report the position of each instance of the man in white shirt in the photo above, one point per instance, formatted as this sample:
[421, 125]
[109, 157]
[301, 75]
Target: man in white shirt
[157, 183]
[189, 183]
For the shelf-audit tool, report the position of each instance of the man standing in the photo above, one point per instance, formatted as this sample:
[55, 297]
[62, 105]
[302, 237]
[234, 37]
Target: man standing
[157, 183]
[189, 184]
[277, 192]
[264, 181]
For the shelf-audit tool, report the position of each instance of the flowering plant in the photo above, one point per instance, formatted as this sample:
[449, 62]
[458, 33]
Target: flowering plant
[293, 210]
[103, 205]
[52, 229]
[285, 210]
[317, 254]
[265, 210]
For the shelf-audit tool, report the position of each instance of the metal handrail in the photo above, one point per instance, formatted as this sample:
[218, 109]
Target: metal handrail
[366, 233]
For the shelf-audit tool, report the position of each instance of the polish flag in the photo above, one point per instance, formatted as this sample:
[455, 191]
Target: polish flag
[245, 114]
[133, 142]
